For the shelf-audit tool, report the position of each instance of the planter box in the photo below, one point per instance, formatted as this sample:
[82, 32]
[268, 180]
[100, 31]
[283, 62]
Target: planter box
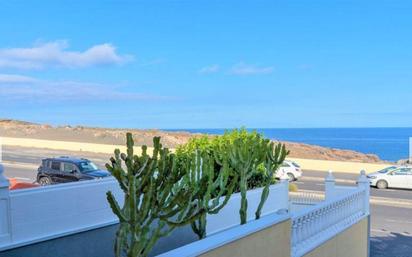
[270, 234]
[229, 216]
[45, 213]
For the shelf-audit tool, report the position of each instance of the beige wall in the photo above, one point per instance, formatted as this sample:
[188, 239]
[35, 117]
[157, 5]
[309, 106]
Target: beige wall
[274, 242]
[352, 242]
[270, 242]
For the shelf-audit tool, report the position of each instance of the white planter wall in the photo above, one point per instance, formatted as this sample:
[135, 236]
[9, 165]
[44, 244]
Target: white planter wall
[43, 213]
[38, 214]
[229, 216]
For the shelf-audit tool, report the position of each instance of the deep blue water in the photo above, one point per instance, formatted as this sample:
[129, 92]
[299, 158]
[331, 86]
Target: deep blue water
[389, 144]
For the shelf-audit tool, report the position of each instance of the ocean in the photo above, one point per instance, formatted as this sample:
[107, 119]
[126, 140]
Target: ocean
[389, 144]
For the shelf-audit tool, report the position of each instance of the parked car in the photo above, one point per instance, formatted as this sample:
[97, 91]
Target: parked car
[393, 176]
[291, 169]
[66, 169]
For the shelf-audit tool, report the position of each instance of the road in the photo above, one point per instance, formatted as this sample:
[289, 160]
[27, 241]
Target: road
[391, 210]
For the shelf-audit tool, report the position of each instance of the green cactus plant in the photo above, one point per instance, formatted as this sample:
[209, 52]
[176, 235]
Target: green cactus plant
[218, 188]
[275, 156]
[251, 157]
[245, 155]
[157, 197]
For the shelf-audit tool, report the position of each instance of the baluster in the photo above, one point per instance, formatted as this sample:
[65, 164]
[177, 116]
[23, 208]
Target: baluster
[300, 230]
[294, 234]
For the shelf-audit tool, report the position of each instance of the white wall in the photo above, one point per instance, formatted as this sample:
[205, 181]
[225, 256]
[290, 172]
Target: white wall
[229, 216]
[42, 213]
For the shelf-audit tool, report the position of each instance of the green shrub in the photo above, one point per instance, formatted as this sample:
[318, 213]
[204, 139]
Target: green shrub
[211, 144]
[253, 158]
[293, 187]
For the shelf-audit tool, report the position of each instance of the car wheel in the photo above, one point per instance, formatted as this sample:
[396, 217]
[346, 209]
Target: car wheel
[44, 181]
[291, 177]
[382, 184]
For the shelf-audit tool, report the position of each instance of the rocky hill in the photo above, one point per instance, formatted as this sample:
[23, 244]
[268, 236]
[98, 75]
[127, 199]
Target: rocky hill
[22, 129]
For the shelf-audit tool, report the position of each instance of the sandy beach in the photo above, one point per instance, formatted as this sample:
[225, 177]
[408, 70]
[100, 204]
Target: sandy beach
[100, 143]
[81, 138]
[85, 149]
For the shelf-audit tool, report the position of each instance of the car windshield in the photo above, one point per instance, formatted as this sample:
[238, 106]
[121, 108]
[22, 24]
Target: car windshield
[87, 167]
[295, 164]
[387, 169]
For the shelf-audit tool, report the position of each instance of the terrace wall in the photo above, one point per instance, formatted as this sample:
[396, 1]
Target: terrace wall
[67, 218]
[337, 226]
[351, 242]
[271, 241]
[74, 219]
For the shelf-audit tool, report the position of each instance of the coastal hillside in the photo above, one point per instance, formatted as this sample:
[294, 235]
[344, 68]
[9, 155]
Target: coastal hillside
[22, 129]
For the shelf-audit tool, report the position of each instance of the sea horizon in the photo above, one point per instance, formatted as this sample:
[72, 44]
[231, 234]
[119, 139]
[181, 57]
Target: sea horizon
[388, 143]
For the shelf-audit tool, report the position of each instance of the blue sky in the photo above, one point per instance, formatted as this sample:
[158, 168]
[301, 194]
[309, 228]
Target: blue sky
[207, 64]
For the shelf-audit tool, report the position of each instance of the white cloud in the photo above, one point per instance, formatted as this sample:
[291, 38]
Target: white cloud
[210, 69]
[12, 78]
[247, 69]
[56, 54]
[16, 87]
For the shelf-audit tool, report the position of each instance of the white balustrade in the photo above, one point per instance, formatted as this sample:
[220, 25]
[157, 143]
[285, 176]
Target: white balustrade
[305, 198]
[329, 185]
[316, 224]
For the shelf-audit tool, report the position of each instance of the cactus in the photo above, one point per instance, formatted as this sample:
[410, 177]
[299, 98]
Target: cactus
[251, 159]
[217, 187]
[274, 158]
[245, 155]
[158, 197]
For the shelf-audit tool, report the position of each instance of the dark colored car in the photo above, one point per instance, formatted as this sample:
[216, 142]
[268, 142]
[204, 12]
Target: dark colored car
[66, 169]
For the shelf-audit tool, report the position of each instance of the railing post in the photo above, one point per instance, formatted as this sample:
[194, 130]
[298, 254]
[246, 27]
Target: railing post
[363, 182]
[5, 218]
[329, 186]
[284, 180]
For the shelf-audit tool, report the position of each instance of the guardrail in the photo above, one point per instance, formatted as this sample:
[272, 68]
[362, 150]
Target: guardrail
[314, 225]
[306, 198]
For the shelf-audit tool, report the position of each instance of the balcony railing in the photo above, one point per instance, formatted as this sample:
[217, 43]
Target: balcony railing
[306, 198]
[314, 225]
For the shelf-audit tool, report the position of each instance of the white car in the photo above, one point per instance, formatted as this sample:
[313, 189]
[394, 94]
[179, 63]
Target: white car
[393, 176]
[291, 169]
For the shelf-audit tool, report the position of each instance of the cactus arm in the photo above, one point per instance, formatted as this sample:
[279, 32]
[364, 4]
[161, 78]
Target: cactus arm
[121, 244]
[195, 225]
[115, 207]
[228, 195]
[155, 236]
[263, 198]
[243, 200]
[275, 157]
